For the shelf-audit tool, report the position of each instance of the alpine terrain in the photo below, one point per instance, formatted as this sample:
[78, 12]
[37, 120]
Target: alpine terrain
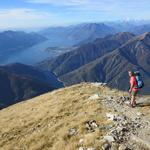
[105, 60]
[87, 116]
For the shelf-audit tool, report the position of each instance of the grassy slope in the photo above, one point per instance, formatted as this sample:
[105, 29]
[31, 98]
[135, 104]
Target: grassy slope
[42, 123]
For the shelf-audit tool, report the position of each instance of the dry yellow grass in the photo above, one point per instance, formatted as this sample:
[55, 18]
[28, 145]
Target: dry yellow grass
[42, 123]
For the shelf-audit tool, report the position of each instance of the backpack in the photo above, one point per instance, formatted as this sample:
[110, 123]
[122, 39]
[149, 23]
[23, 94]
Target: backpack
[140, 83]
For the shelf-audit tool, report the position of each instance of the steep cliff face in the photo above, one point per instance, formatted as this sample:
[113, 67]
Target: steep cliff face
[87, 116]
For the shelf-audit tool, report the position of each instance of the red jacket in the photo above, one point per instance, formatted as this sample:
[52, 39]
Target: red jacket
[133, 83]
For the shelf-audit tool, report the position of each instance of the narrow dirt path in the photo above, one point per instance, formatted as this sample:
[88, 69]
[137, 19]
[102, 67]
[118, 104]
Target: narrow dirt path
[136, 121]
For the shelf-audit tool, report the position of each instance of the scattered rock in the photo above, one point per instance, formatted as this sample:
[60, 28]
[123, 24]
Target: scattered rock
[81, 141]
[82, 148]
[91, 148]
[121, 128]
[99, 84]
[123, 147]
[107, 127]
[139, 114]
[106, 146]
[111, 116]
[127, 102]
[94, 97]
[124, 98]
[109, 138]
[91, 125]
[129, 122]
[72, 132]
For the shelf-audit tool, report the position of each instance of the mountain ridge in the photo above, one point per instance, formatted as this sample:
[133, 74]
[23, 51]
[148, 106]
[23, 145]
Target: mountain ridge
[133, 54]
[21, 82]
[81, 116]
[125, 60]
[86, 53]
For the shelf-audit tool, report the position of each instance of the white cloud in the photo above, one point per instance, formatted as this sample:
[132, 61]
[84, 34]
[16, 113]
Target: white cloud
[80, 5]
[97, 5]
[22, 17]
[62, 2]
[62, 12]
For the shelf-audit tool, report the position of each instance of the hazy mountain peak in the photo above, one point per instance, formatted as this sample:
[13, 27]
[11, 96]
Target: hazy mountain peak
[145, 36]
[142, 39]
[122, 34]
[94, 25]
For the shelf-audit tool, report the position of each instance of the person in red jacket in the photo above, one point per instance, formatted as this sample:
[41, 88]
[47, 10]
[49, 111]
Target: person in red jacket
[133, 88]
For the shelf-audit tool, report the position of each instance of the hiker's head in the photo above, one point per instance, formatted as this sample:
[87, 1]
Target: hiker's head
[131, 73]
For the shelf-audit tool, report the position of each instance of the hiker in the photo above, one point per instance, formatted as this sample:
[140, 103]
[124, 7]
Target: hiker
[133, 88]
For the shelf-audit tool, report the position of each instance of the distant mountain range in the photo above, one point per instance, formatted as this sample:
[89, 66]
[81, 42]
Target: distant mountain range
[88, 32]
[19, 82]
[105, 60]
[75, 34]
[142, 29]
[85, 53]
[129, 26]
[24, 46]
[62, 38]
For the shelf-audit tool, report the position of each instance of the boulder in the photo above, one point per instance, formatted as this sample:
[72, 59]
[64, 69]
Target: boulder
[109, 138]
[94, 97]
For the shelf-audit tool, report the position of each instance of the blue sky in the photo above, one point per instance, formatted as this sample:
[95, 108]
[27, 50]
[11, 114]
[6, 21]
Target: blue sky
[43, 13]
